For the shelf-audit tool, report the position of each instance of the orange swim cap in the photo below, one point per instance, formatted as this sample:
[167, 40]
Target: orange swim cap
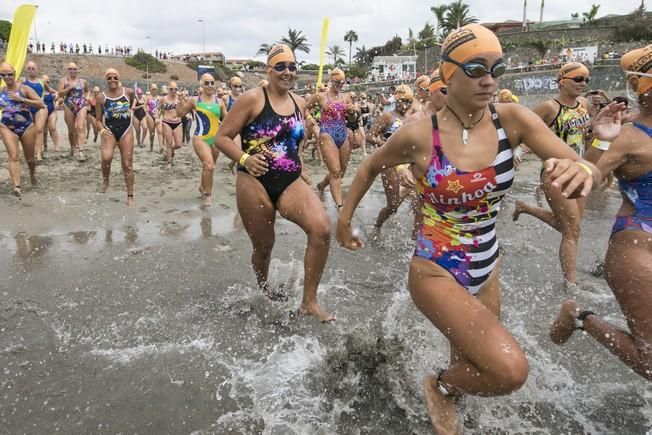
[571, 70]
[279, 53]
[403, 91]
[639, 61]
[436, 82]
[464, 43]
[337, 74]
[422, 82]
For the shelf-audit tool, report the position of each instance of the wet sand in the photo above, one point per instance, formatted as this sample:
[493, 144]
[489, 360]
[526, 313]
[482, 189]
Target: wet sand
[148, 320]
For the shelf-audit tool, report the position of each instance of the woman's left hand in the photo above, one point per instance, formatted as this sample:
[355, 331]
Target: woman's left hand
[606, 124]
[569, 176]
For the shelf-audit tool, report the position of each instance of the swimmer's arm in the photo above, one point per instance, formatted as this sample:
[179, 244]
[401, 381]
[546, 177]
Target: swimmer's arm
[618, 152]
[233, 124]
[131, 95]
[99, 115]
[380, 124]
[186, 107]
[48, 88]
[62, 88]
[222, 109]
[547, 111]
[32, 98]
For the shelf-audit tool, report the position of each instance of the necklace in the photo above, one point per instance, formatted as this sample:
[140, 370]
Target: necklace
[465, 129]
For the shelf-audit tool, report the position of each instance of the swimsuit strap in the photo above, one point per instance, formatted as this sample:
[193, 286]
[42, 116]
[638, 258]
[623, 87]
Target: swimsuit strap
[644, 128]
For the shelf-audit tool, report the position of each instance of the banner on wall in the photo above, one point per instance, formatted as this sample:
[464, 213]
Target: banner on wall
[586, 54]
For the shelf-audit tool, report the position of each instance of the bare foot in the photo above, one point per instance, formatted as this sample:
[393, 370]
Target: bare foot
[441, 409]
[518, 209]
[33, 180]
[130, 201]
[105, 186]
[81, 157]
[208, 200]
[17, 192]
[564, 325]
[316, 311]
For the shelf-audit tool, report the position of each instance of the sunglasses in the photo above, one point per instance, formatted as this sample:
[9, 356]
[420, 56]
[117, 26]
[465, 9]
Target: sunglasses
[404, 101]
[112, 79]
[172, 89]
[209, 83]
[443, 90]
[424, 90]
[338, 82]
[281, 66]
[239, 86]
[578, 79]
[5, 75]
[73, 69]
[475, 70]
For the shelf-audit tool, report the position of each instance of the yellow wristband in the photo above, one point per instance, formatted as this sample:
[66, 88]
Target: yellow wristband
[586, 168]
[399, 168]
[243, 159]
[600, 144]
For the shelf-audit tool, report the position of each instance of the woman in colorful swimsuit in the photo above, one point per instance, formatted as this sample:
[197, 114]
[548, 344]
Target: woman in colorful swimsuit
[209, 112]
[237, 88]
[568, 117]
[269, 120]
[153, 119]
[332, 133]
[73, 89]
[91, 122]
[16, 126]
[140, 125]
[51, 120]
[172, 130]
[384, 127]
[628, 266]
[113, 114]
[462, 159]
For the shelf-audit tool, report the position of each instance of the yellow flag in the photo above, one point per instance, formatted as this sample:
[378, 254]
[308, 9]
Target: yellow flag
[19, 37]
[324, 37]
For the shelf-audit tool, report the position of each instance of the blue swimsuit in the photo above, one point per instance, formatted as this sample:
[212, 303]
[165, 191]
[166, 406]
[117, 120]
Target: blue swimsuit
[15, 115]
[639, 193]
[39, 89]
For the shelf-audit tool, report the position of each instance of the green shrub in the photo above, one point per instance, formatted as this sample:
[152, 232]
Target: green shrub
[145, 62]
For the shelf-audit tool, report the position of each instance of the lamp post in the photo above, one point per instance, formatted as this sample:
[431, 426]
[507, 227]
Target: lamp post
[203, 37]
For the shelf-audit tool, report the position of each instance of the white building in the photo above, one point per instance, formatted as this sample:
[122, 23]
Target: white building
[394, 67]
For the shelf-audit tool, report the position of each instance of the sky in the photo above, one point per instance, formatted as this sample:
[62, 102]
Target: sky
[237, 28]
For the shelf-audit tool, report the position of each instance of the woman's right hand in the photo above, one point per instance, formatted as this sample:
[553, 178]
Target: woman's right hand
[406, 177]
[256, 165]
[346, 236]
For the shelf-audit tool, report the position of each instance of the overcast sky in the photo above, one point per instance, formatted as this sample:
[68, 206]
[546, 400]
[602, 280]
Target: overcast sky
[237, 28]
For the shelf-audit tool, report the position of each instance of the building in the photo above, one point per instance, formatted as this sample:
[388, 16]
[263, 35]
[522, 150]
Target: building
[208, 57]
[394, 67]
[507, 26]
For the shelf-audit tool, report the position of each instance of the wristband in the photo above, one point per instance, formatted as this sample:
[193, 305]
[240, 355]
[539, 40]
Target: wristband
[600, 144]
[243, 159]
[586, 168]
[399, 168]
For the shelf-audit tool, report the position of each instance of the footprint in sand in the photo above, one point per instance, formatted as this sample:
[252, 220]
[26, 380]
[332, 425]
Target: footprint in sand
[172, 228]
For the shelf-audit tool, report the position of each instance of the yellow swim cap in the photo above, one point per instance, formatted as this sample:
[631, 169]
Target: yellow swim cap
[403, 91]
[571, 70]
[639, 61]
[464, 43]
[279, 53]
[422, 82]
[337, 74]
[504, 95]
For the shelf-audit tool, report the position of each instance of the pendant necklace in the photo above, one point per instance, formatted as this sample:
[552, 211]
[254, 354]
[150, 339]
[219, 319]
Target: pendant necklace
[465, 129]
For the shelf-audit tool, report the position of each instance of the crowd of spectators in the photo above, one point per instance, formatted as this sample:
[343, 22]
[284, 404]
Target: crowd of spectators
[88, 49]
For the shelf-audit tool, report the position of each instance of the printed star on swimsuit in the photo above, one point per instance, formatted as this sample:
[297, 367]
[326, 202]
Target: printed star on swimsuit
[454, 186]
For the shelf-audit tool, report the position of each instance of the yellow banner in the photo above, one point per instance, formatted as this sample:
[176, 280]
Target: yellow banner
[324, 37]
[19, 37]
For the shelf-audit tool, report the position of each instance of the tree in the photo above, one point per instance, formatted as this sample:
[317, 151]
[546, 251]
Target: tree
[5, 30]
[637, 28]
[335, 52]
[575, 15]
[428, 32]
[589, 17]
[264, 49]
[296, 40]
[457, 15]
[351, 37]
[440, 12]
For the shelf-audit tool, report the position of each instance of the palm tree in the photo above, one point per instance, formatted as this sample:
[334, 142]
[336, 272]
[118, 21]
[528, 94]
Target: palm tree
[336, 52]
[589, 17]
[428, 32]
[458, 15]
[264, 49]
[351, 37]
[440, 12]
[361, 55]
[296, 40]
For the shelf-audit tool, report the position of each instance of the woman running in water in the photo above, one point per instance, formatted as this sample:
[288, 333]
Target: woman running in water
[209, 112]
[237, 88]
[568, 117]
[16, 126]
[172, 130]
[72, 89]
[91, 121]
[153, 119]
[628, 266]
[270, 123]
[113, 114]
[462, 159]
[140, 125]
[355, 132]
[51, 121]
[332, 133]
[384, 127]
[39, 115]
[422, 92]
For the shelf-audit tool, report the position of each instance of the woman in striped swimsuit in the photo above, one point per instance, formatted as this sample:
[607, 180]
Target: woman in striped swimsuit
[73, 89]
[462, 159]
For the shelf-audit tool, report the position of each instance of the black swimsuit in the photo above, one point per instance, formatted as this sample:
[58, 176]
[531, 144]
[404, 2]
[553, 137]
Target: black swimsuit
[139, 113]
[277, 137]
[117, 114]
